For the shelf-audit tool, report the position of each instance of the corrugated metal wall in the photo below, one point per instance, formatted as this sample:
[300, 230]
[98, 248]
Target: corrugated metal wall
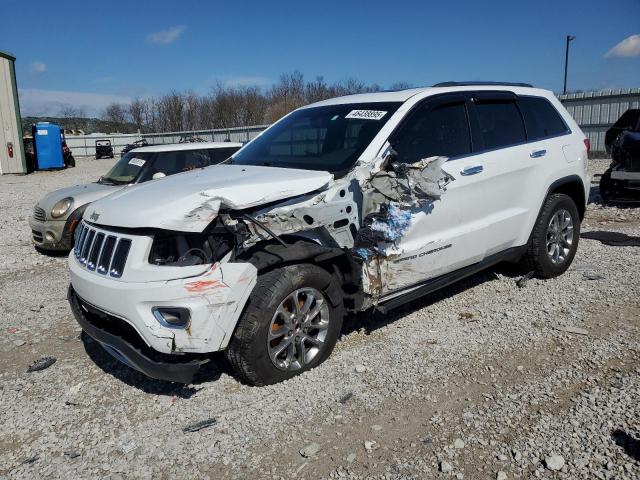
[595, 112]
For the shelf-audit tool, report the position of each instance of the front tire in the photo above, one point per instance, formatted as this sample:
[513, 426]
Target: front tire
[555, 237]
[290, 324]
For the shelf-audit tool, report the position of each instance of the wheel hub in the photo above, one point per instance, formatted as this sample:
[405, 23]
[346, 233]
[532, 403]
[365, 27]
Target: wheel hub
[298, 329]
[559, 236]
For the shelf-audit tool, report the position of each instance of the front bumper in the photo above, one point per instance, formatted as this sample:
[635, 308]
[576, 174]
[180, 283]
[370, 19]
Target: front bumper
[124, 345]
[51, 234]
[215, 300]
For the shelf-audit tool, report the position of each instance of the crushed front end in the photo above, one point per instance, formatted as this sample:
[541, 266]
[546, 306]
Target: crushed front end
[158, 301]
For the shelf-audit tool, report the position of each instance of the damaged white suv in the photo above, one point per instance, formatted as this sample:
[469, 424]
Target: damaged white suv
[363, 201]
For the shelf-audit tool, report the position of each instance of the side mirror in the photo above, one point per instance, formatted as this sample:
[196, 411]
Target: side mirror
[158, 175]
[390, 159]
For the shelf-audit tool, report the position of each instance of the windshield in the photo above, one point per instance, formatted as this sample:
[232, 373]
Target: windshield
[319, 138]
[141, 166]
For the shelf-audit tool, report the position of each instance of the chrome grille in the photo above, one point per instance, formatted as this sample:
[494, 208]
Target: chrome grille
[101, 252]
[39, 214]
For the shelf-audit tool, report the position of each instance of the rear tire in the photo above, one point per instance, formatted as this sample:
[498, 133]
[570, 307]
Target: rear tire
[551, 249]
[269, 321]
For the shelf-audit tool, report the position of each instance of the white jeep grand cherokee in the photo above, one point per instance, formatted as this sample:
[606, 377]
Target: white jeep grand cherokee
[363, 201]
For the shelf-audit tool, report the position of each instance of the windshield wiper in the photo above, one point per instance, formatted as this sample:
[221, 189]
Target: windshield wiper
[115, 182]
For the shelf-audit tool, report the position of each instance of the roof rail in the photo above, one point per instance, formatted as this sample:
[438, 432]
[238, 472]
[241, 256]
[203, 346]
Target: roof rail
[468, 84]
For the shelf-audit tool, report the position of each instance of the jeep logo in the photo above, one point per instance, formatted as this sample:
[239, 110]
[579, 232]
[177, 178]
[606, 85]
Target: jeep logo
[94, 216]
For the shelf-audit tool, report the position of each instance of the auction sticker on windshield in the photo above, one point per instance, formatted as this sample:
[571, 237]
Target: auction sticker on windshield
[137, 162]
[366, 114]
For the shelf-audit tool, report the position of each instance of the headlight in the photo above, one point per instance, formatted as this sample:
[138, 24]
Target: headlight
[61, 207]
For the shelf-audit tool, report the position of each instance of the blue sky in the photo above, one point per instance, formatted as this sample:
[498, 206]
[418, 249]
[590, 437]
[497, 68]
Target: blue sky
[91, 53]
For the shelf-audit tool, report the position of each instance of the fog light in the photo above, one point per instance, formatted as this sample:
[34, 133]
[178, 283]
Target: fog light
[172, 317]
[50, 236]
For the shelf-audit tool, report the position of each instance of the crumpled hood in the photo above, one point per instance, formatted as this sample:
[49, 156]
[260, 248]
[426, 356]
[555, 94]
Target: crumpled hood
[81, 195]
[189, 201]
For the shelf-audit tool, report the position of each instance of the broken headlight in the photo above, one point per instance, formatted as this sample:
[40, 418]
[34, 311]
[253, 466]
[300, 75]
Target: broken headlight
[178, 249]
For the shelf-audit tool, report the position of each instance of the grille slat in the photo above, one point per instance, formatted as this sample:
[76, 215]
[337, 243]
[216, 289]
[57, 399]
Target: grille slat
[107, 253]
[39, 214]
[87, 245]
[77, 242]
[98, 251]
[95, 250]
[120, 257]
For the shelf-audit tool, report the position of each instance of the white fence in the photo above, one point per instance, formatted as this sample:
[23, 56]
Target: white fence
[85, 145]
[595, 112]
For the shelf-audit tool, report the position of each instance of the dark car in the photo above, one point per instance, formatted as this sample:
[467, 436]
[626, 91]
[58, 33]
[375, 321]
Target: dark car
[630, 120]
[104, 149]
[621, 181]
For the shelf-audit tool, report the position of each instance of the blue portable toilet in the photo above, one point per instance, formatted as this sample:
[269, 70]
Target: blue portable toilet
[47, 140]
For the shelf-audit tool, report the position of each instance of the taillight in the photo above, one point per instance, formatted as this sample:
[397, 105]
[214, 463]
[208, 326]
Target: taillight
[10, 149]
[587, 143]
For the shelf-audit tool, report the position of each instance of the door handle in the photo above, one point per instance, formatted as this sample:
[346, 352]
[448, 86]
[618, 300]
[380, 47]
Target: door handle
[471, 170]
[538, 153]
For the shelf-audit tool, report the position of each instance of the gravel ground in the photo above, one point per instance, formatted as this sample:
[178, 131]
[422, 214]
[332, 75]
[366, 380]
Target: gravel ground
[482, 380]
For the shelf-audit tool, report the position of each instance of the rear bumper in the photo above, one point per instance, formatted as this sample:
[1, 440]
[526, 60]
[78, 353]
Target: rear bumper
[122, 345]
[624, 175]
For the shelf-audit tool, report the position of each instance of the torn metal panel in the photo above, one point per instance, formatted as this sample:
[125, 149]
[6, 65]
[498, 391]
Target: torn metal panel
[407, 183]
[393, 196]
[334, 211]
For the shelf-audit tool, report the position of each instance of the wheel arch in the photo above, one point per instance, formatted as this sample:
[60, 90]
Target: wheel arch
[573, 187]
[269, 255]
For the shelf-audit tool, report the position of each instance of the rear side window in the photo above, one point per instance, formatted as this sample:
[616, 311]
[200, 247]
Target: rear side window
[540, 118]
[442, 130]
[500, 123]
[217, 155]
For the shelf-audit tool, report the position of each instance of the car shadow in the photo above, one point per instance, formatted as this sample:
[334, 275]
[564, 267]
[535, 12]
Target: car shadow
[211, 372]
[613, 239]
[51, 253]
[630, 445]
[372, 319]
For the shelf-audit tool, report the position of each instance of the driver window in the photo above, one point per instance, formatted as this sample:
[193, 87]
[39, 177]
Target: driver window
[434, 131]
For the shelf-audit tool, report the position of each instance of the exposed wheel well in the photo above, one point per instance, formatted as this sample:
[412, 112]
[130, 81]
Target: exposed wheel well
[574, 188]
[269, 255]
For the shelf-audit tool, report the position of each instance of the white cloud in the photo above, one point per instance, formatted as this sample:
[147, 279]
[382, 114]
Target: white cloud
[164, 37]
[38, 102]
[37, 67]
[629, 47]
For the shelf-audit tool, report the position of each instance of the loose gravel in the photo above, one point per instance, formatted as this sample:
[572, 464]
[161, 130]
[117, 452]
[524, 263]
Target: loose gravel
[485, 379]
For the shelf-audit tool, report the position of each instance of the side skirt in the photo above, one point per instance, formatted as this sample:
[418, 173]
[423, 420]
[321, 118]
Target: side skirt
[421, 289]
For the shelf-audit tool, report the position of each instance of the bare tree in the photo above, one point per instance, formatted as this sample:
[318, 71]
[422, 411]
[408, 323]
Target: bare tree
[70, 111]
[137, 111]
[400, 86]
[285, 96]
[171, 111]
[116, 113]
[227, 106]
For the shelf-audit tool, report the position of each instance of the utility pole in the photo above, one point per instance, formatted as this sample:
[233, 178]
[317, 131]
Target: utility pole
[566, 62]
